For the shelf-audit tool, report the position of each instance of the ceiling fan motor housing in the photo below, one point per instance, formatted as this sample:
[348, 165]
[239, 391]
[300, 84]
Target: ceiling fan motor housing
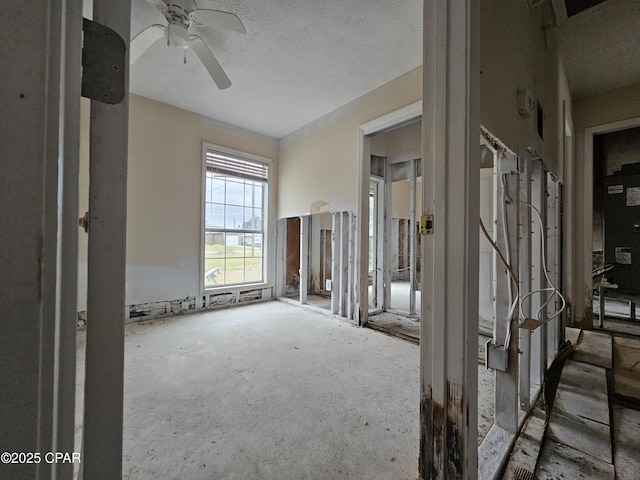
[178, 16]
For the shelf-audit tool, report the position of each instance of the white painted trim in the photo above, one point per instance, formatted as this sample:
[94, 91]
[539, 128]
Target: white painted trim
[450, 257]
[506, 382]
[377, 125]
[392, 119]
[268, 217]
[569, 217]
[104, 380]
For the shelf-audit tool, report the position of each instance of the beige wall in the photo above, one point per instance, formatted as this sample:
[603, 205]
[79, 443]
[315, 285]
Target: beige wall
[319, 162]
[515, 55]
[164, 196]
[400, 144]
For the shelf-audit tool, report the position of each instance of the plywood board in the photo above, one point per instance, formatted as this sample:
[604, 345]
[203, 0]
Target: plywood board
[572, 334]
[560, 461]
[583, 434]
[594, 348]
[627, 341]
[527, 447]
[580, 416]
[582, 392]
[626, 425]
[626, 354]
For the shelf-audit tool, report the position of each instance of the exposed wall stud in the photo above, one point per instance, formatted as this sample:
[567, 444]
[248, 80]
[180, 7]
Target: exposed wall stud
[102, 448]
[451, 191]
[505, 329]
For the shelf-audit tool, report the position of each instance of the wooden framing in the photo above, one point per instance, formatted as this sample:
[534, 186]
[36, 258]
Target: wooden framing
[102, 447]
[305, 234]
[39, 159]
[398, 117]
[412, 239]
[525, 283]
[451, 192]
[505, 326]
[552, 233]
[538, 338]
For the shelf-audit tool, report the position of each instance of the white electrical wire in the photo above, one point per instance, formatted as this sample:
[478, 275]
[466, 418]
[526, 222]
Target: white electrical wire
[552, 287]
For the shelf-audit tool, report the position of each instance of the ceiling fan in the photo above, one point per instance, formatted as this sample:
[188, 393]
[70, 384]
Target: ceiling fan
[183, 15]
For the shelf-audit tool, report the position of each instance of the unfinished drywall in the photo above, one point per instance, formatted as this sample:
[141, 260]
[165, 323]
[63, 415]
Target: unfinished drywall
[319, 162]
[164, 197]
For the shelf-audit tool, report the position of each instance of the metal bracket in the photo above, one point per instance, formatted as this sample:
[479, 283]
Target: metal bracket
[84, 222]
[426, 225]
[103, 63]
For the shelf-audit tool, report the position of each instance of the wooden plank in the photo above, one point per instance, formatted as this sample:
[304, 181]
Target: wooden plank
[580, 416]
[527, 448]
[594, 348]
[627, 341]
[572, 334]
[561, 461]
[582, 392]
[626, 425]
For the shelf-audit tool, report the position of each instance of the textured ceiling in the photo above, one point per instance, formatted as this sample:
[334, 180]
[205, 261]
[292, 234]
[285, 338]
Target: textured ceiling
[601, 47]
[299, 60]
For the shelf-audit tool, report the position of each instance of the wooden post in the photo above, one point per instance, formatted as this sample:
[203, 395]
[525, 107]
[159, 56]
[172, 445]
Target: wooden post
[506, 382]
[539, 336]
[552, 263]
[305, 233]
[451, 192]
[525, 283]
[412, 238]
[102, 448]
[335, 263]
[39, 137]
[351, 265]
[344, 264]
[387, 225]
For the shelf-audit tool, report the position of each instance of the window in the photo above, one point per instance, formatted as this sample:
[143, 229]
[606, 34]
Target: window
[234, 218]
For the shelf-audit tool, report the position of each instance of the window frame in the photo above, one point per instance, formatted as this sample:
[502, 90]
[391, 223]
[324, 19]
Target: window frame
[266, 219]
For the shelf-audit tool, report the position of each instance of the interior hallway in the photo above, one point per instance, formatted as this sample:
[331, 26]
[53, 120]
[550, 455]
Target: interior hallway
[269, 391]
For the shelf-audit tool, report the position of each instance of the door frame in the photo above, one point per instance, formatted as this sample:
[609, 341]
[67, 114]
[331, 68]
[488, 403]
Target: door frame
[365, 131]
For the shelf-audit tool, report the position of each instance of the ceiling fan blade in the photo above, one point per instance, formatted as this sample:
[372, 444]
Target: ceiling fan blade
[210, 62]
[142, 41]
[159, 4]
[217, 19]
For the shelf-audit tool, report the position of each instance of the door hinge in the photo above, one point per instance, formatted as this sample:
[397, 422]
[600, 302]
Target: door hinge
[103, 63]
[84, 222]
[426, 225]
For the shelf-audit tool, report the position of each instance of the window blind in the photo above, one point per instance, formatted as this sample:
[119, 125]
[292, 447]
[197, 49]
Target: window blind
[238, 167]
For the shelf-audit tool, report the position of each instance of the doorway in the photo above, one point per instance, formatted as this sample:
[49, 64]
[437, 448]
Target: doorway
[395, 196]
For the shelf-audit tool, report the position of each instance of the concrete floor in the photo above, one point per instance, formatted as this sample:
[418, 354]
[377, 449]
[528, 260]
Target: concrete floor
[267, 391]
